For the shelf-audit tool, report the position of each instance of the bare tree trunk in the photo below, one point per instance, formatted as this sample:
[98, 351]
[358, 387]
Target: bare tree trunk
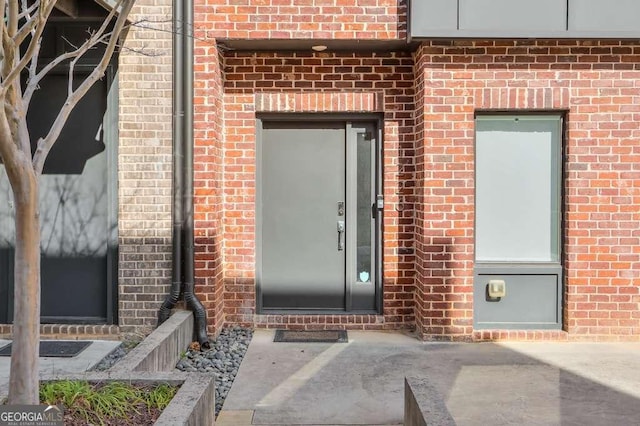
[21, 32]
[24, 375]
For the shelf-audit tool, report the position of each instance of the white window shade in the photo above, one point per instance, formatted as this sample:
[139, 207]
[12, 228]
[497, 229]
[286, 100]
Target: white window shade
[518, 177]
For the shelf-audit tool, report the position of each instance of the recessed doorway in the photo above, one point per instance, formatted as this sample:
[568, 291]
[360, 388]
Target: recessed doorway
[319, 213]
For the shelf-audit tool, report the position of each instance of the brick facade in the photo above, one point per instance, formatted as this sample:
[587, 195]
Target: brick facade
[209, 178]
[597, 84]
[144, 167]
[329, 82]
[427, 96]
[302, 19]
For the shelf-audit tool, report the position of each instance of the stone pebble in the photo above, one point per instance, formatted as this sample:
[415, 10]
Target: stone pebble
[110, 360]
[223, 359]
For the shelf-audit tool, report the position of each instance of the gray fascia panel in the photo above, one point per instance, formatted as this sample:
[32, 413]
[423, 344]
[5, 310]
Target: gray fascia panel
[542, 19]
[600, 16]
[543, 35]
[512, 15]
[433, 15]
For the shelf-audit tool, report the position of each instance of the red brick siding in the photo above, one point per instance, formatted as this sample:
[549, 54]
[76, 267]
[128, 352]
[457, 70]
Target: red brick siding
[422, 297]
[316, 82]
[302, 19]
[428, 102]
[208, 181]
[599, 84]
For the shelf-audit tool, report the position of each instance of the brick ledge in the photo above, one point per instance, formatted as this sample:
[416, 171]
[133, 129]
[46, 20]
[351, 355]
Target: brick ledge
[70, 331]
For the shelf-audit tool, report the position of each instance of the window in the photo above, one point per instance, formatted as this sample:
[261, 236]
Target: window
[518, 271]
[518, 178]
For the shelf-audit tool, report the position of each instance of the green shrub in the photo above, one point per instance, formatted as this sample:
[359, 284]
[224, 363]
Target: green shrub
[96, 402]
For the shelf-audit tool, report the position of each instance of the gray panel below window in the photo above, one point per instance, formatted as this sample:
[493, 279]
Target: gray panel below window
[530, 302]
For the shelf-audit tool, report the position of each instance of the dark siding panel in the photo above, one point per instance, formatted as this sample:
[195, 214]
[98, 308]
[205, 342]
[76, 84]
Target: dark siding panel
[516, 16]
[604, 15]
[427, 16]
[560, 19]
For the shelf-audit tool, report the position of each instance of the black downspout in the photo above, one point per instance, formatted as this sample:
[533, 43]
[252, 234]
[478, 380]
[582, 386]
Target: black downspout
[200, 315]
[182, 276]
[178, 123]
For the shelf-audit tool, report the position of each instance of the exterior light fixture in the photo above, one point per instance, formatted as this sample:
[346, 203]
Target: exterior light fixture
[319, 47]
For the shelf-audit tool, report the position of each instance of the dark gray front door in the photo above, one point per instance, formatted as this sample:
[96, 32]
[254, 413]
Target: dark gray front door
[316, 218]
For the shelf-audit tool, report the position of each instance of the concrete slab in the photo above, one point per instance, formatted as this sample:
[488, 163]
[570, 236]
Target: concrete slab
[234, 418]
[421, 402]
[55, 367]
[361, 382]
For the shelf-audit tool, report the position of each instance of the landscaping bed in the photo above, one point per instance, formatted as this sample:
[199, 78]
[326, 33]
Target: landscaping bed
[223, 359]
[149, 364]
[108, 403]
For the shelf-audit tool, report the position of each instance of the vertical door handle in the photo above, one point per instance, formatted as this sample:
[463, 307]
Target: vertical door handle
[340, 235]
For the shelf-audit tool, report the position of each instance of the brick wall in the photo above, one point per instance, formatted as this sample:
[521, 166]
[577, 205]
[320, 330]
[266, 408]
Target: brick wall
[144, 167]
[315, 82]
[421, 297]
[599, 84]
[208, 180]
[428, 101]
[303, 19]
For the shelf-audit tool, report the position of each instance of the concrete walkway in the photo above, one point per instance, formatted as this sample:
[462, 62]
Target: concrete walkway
[361, 382]
[54, 366]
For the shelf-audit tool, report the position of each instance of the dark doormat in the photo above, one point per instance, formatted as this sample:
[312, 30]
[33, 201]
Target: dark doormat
[319, 336]
[55, 348]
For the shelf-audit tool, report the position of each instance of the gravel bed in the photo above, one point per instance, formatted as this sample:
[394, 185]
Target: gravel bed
[223, 359]
[114, 356]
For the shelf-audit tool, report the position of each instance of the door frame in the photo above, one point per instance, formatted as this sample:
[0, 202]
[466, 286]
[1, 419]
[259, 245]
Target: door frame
[377, 120]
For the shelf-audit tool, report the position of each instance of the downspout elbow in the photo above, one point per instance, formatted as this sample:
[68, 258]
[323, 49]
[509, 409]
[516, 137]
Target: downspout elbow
[174, 294]
[200, 317]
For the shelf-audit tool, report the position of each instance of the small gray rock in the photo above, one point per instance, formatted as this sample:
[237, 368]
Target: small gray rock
[223, 359]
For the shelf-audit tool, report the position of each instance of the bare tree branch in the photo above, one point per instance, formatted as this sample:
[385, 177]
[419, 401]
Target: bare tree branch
[9, 49]
[44, 11]
[147, 24]
[34, 80]
[30, 89]
[13, 16]
[45, 144]
[28, 27]
[28, 10]
[25, 30]
[3, 26]
[33, 66]
[72, 67]
[94, 38]
[8, 149]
